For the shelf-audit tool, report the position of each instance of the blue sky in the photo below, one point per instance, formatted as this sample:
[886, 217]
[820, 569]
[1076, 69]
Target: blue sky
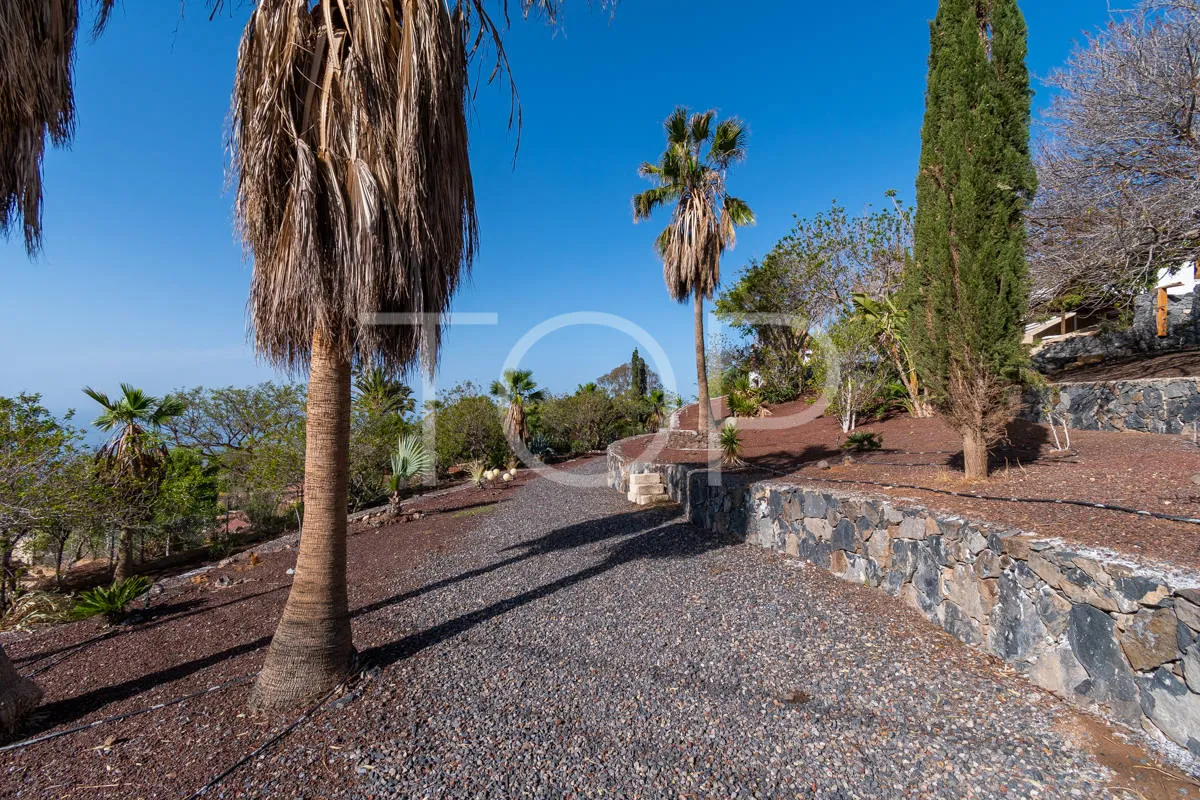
[142, 279]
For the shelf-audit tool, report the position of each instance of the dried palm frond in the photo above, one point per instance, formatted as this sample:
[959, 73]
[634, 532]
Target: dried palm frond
[37, 100]
[33, 608]
[354, 188]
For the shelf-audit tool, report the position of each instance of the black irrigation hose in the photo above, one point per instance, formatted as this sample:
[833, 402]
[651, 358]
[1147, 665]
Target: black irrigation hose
[127, 714]
[300, 720]
[70, 651]
[1043, 500]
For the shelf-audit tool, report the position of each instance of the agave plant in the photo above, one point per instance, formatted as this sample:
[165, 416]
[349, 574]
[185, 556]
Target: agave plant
[411, 460]
[111, 600]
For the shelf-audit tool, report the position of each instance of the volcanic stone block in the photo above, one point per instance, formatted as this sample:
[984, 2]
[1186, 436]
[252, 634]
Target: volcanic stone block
[1092, 637]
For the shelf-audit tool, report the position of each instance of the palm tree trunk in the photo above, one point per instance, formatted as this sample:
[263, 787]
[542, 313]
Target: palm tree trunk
[18, 697]
[124, 566]
[312, 647]
[702, 422]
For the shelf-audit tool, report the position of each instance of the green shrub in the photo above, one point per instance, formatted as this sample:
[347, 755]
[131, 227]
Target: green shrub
[744, 403]
[110, 601]
[263, 512]
[411, 460]
[469, 428]
[862, 441]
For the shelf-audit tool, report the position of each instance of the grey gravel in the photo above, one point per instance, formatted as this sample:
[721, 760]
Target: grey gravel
[580, 646]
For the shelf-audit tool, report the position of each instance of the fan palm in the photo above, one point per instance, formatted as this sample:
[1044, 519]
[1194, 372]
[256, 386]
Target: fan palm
[411, 460]
[691, 175]
[354, 195]
[657, 402]
[518, 389]
[134, 457]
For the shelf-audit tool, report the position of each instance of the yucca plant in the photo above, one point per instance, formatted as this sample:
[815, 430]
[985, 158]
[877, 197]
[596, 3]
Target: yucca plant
[478, 472]
[411, 460]
[730, 441]
[111, 600]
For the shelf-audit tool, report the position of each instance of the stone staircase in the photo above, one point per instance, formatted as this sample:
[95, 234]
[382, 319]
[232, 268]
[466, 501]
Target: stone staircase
[646, 488]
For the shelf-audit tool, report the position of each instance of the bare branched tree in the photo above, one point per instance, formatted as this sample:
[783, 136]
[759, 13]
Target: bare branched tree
[1119, 160]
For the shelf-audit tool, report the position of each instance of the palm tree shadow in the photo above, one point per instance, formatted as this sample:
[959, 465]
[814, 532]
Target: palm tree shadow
[658, 539]
[566, 538]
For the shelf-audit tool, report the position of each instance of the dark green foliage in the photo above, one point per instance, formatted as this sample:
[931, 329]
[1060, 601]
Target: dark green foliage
[469, 428]
[743, 403]
[41, 484]
[187, 499]
[967, 290]
[862, 441]
[111, 600]
[255, 435]
[268, 515]
[377, 422]
[638, 377]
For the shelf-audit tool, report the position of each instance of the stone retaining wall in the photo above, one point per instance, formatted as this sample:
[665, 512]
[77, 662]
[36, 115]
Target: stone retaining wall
[1183, 323]
[1162, 405]
[1093, 627]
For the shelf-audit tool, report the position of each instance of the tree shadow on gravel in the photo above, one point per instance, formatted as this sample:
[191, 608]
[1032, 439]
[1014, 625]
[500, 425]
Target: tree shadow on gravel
[572, 536]
[654, 541]
[60, 712]
[148, 619]
[788, 461]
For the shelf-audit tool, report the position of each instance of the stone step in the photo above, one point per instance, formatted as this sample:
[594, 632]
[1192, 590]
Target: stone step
[650, 500]
[645, 479]
[649, 489]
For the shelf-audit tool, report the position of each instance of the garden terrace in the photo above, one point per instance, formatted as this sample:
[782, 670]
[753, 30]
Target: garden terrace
[1150, 472]
[561, 643]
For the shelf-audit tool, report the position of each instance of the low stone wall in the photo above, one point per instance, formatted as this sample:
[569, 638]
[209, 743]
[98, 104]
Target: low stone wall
[1093, 627]
[1162, 405]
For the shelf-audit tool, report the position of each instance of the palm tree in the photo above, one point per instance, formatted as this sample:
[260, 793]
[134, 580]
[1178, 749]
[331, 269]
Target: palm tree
[377, 391]
[37, 101]
[355, 195]
[134, 457]
[657, 401]
[691, 174]
[519, 390]
[889, 323]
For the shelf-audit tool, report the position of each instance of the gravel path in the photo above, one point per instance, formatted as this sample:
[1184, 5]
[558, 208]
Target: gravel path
[580, 646]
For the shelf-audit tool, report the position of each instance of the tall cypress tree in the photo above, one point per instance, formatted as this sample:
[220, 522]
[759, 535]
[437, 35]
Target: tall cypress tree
[967, 287]
[638, 377]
